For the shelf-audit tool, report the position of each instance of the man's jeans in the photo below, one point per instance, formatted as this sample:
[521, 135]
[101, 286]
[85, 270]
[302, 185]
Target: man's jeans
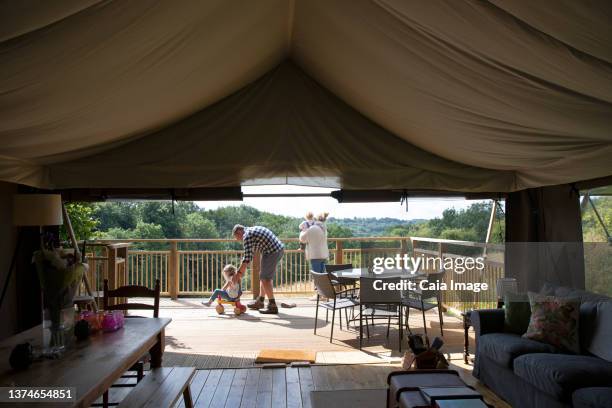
[317, 265]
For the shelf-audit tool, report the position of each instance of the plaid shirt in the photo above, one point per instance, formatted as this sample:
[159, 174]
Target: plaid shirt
[259, 239]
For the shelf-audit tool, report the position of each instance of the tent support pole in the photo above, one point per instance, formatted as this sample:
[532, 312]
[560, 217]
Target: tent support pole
[490, 227]
[77, 254]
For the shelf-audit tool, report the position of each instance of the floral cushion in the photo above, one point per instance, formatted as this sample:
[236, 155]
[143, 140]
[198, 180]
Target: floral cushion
[554, 321]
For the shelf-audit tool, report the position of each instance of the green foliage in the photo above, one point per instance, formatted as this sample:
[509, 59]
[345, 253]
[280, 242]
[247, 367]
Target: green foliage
[338, 231]
[598, 253]
[469, 224]
[155, 219]
[592, 229]
[83, 221]
[122, 215]
[368, 227]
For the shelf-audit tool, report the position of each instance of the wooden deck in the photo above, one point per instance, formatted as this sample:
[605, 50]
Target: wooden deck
[198, 336]
[291, 386]
[224, 349]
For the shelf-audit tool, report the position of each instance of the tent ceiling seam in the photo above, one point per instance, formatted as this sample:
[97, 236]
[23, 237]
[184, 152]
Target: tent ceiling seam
[570, 47]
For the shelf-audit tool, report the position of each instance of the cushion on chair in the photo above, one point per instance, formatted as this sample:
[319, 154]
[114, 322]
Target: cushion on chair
[503, 348]
[593, 397]
[559, 375]
[341, 303]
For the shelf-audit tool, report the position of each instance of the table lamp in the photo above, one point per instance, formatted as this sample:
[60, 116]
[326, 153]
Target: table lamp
[33, 210]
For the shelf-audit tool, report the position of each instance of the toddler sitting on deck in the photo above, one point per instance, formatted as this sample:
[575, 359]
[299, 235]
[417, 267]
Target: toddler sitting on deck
[230, 291]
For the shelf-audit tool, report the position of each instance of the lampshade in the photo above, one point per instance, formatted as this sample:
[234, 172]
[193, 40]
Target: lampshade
[37, 209]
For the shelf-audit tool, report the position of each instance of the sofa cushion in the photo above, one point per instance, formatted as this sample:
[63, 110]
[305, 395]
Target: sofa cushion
[503, 348]
[554, 320]
[517, 312]
[559, 375]
[599, 332]
[593, 397]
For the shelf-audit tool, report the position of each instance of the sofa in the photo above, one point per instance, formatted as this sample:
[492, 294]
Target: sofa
[528, 373]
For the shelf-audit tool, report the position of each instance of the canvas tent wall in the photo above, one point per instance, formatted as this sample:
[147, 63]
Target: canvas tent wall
[464, 96]
[443, 95]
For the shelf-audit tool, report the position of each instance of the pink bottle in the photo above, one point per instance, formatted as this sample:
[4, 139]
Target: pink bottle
[110, 322]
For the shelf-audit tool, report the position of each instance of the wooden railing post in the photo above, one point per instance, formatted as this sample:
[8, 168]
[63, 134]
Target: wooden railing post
[255, 269]
[173, 270]
[441, 254]
[403, 247]
[339, 252]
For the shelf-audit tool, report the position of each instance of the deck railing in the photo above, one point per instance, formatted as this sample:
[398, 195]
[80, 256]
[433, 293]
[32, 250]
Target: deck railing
[193, 266]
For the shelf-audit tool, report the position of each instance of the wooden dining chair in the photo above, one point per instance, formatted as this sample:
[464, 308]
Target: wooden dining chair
[122, 294]
[132, 291]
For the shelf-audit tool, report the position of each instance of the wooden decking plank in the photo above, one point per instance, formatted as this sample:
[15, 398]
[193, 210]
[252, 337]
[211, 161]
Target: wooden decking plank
[294, 394]
[249, 395]
[306, 385]
[212, 361]
[279, 388]
[205, 397]
[237, 388]
[172, 387]
[320, 378]
[264, 390]
[223, 388]
[225, 361]
[197, 382]
[249, 359]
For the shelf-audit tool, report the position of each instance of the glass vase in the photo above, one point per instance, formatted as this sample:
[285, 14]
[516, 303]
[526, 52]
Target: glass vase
[58, 330]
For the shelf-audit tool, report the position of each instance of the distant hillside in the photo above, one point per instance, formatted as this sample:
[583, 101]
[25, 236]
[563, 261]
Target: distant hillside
[364, 227]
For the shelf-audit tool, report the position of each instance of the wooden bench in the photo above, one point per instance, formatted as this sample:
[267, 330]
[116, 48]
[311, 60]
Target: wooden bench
[162, 387]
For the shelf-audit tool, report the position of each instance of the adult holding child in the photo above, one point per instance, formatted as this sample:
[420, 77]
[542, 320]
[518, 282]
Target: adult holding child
[261, 240]
[314, 235]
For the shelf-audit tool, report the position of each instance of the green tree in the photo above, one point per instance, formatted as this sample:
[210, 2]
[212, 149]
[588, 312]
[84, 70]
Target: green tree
[196, 226]
[592, 230]
[116, 215]
[83, 222]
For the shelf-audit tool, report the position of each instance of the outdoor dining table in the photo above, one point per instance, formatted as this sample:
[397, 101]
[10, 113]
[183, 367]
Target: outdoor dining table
[90, 366]
[355, 274]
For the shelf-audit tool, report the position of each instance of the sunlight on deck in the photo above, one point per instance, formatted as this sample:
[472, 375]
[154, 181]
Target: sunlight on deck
[199, 336]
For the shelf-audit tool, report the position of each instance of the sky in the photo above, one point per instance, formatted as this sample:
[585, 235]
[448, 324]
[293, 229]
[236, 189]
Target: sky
[418, 208]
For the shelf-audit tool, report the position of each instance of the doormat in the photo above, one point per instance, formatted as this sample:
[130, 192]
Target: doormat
[285, 356]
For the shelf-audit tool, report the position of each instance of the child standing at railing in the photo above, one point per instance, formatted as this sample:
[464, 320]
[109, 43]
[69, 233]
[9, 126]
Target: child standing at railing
[230, 291]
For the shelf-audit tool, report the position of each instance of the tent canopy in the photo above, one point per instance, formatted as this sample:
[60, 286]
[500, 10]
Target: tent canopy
[491, 96]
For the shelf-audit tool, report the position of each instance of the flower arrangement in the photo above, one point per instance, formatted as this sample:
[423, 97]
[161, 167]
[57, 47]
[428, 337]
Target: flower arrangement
[60, 276]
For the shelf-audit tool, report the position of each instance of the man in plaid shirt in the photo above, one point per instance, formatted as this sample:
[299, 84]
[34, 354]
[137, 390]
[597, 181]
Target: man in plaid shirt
[261, 240]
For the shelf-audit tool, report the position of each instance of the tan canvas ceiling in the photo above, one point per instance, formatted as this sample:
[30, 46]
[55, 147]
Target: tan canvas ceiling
[453, 95]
